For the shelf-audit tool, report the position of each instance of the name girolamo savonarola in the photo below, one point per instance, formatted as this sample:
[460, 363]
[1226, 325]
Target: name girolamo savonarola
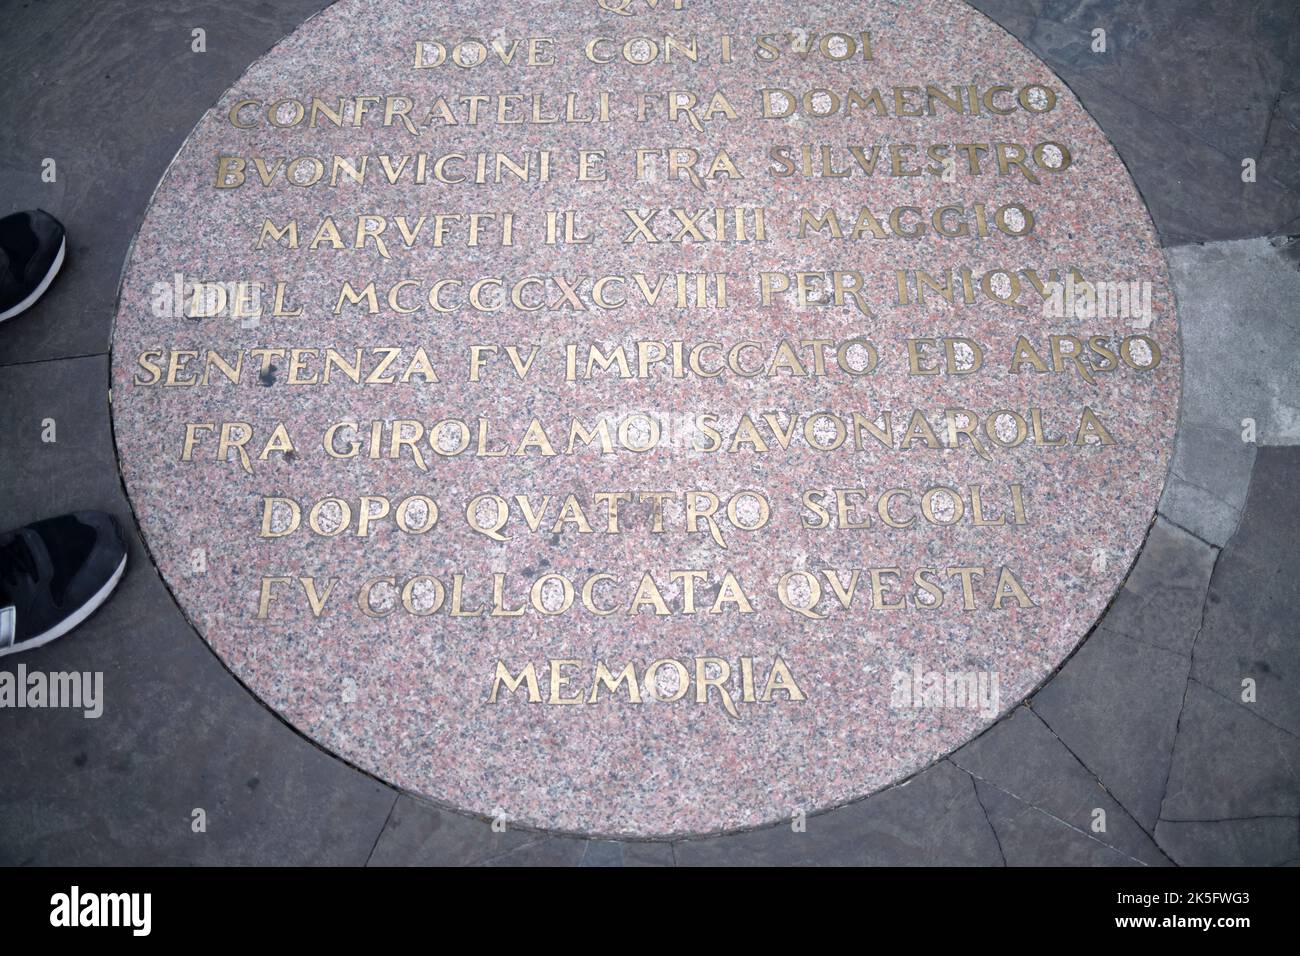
[71, 689]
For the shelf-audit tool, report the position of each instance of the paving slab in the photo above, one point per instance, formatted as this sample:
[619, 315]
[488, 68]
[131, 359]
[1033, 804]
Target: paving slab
[1194, 191]
[544, 851]
[1163, 598]
[1235, 56]
[116, 88]
[1022, 758]
[1229, 763]
[1250, 629]
[934, 819]
[1238, 320]
[68, 403]
[628, 853]
[177, 733]
[1115, 705]
[419, 834]
[1185, 153]
[1208, 481]
[1240, 392]
[1254, 841]
[1029, 836]
[1280, 157]
[1017, 17]
[1263, 536]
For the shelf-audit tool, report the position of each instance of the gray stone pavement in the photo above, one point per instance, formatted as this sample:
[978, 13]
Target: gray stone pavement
[1140, 751]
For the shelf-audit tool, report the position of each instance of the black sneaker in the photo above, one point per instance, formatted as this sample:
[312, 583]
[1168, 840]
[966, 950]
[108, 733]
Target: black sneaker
[53, 574]
[31, 253]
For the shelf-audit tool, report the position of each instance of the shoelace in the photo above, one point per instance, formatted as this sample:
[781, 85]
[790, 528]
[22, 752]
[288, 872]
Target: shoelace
[16, 560]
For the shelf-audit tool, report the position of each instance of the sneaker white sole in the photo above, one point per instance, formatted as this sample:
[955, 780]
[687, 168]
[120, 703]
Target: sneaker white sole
[39, 291]
[72, 620]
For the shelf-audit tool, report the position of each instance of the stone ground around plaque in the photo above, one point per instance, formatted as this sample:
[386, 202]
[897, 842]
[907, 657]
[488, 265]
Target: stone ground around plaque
[1144, 721]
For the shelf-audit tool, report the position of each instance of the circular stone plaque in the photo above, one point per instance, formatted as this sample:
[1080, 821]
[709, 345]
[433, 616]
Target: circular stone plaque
[645, 419]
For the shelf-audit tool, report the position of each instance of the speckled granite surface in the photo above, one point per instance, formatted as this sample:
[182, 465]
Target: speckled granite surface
[406, 696]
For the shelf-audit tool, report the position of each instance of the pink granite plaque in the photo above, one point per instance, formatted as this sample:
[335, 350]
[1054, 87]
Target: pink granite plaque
[645, 419]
